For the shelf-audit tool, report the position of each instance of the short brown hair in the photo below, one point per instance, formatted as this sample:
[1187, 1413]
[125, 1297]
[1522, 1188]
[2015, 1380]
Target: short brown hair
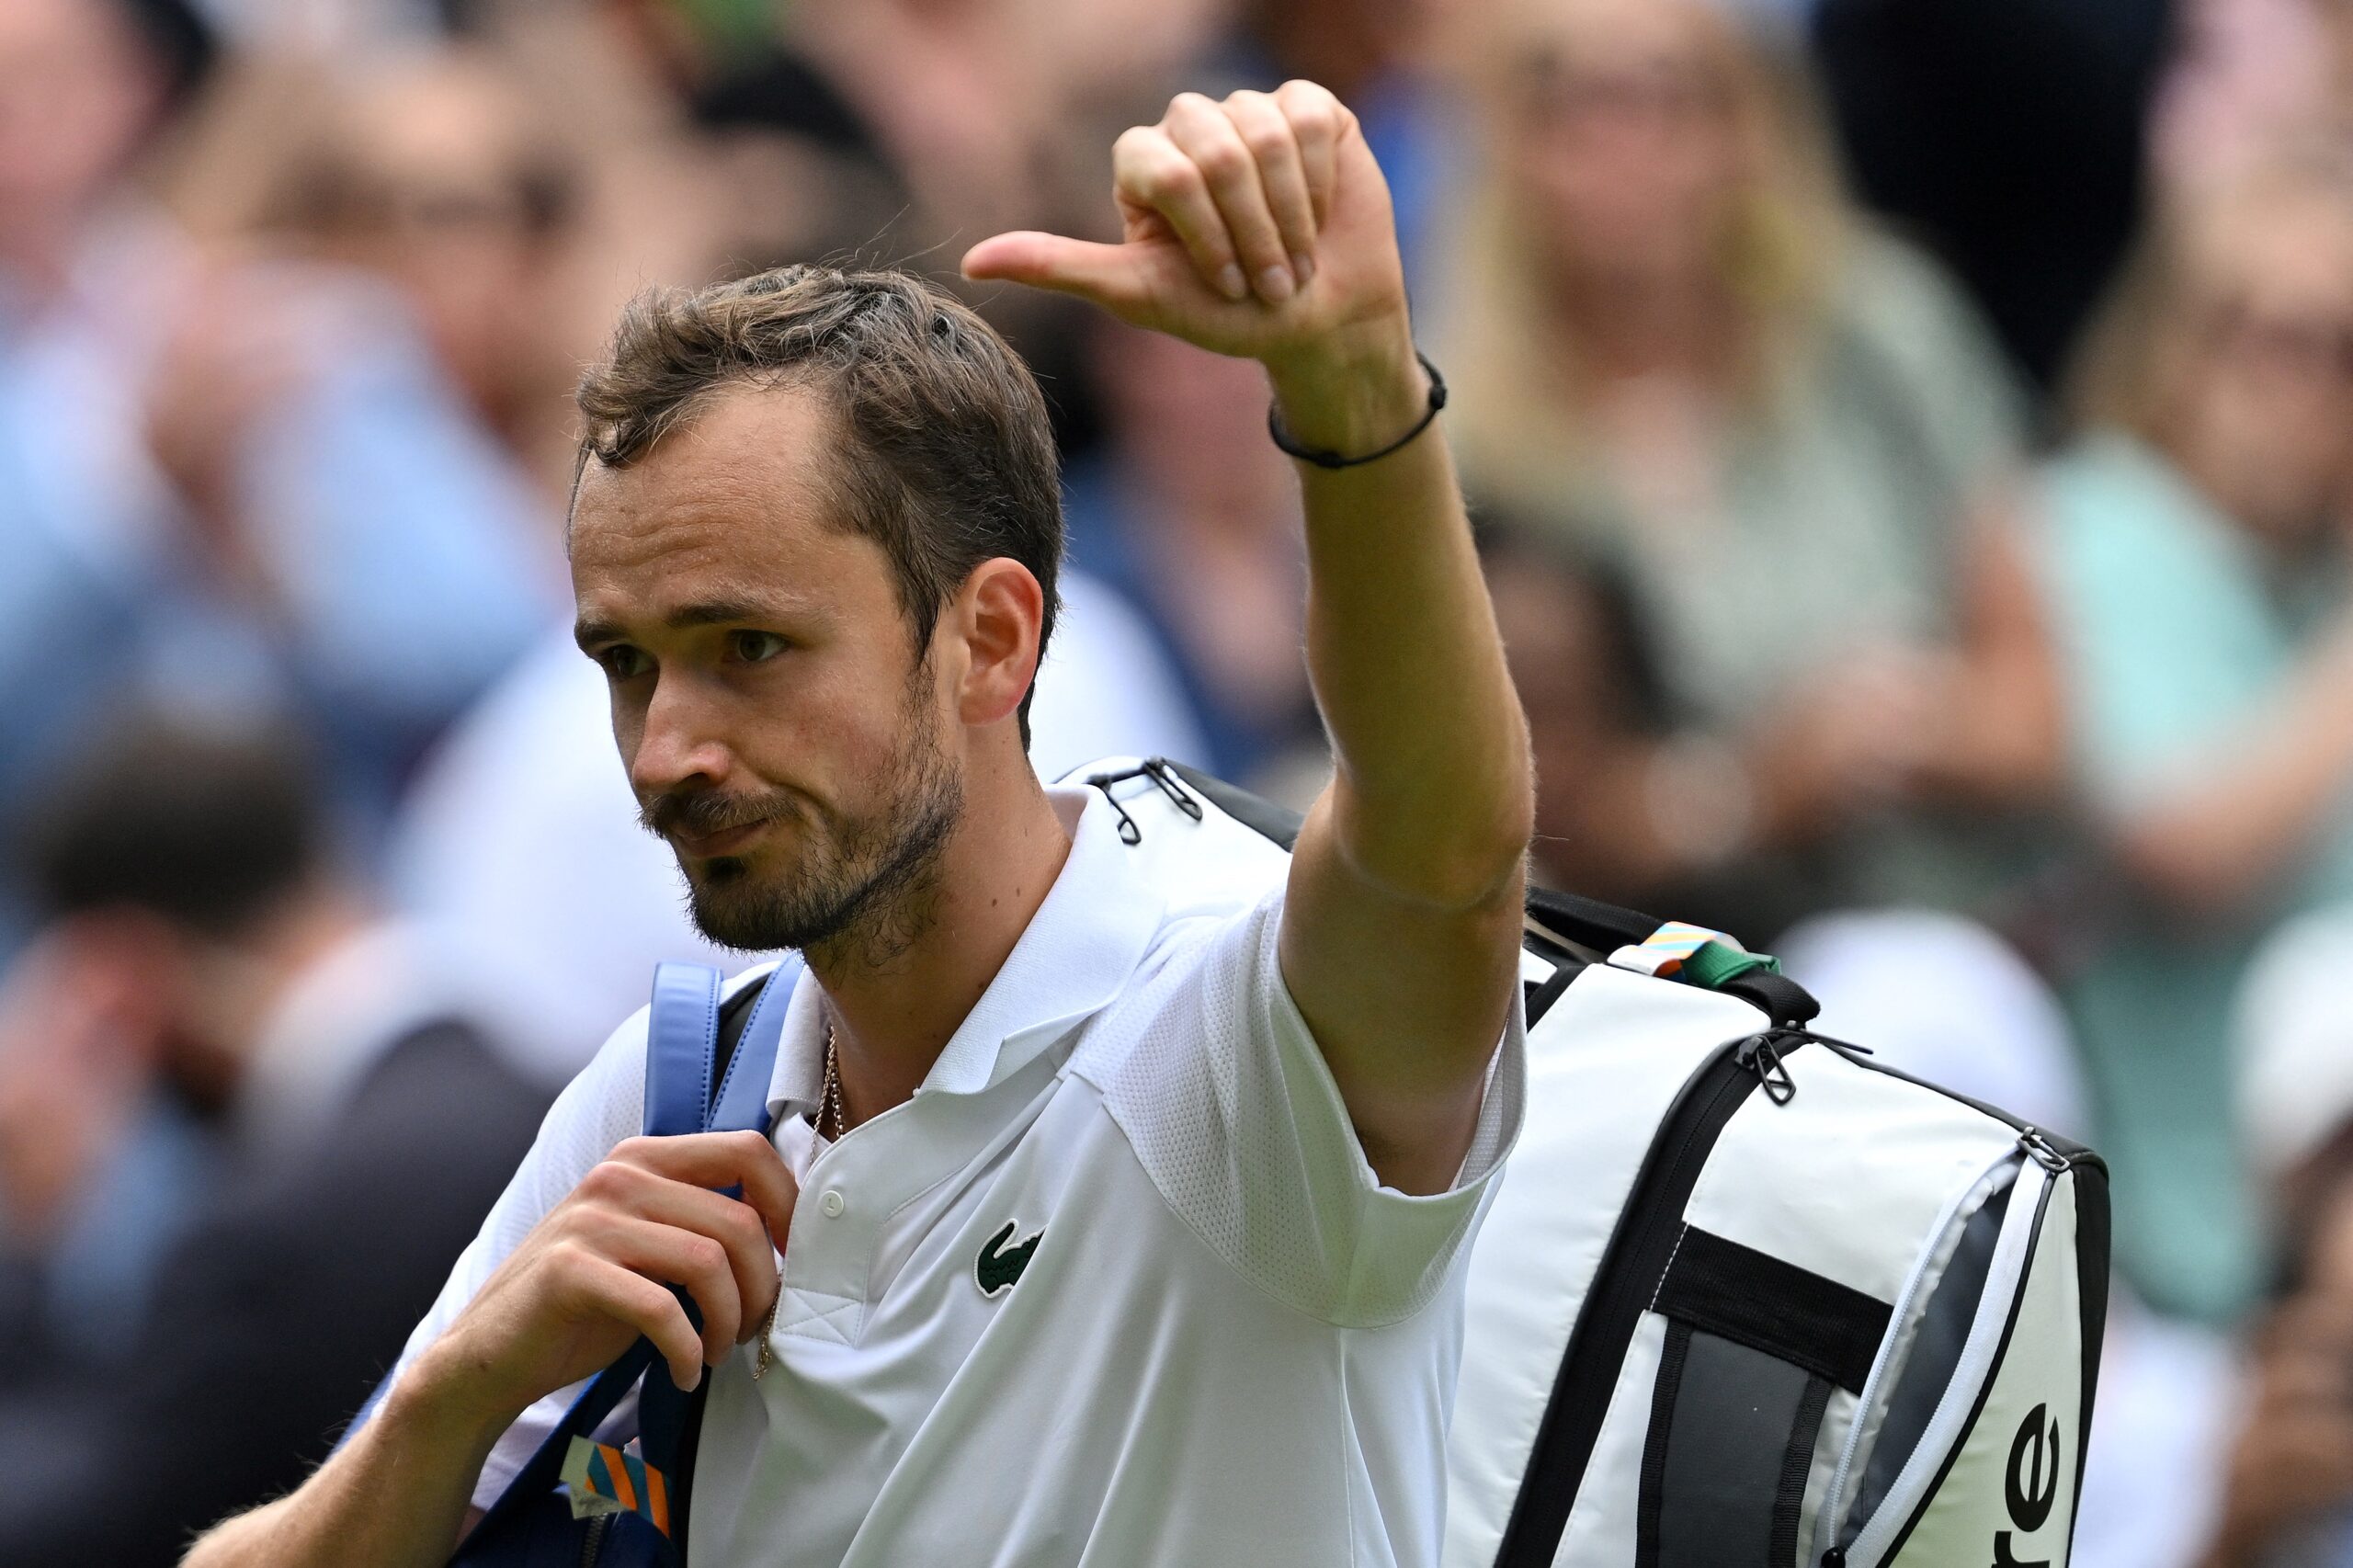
[949, 458]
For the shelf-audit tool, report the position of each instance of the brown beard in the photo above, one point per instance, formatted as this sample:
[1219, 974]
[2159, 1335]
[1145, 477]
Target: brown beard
[865, 885]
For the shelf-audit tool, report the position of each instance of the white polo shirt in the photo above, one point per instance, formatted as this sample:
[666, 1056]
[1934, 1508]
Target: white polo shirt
[1116, 1286]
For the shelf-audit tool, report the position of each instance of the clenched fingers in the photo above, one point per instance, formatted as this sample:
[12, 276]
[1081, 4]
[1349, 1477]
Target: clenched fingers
[688, 1259]
[1236, 171]
[720, 1161]
[1151, 174]
[623, 1190]
[1243, 184]
[1317, 120]
[615, 1292]
[1258, 118]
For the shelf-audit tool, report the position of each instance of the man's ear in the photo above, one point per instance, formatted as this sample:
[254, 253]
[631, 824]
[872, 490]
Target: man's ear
[998, 612]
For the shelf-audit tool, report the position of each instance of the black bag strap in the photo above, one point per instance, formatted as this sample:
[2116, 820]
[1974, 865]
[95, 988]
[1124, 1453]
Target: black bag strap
[1600, 928]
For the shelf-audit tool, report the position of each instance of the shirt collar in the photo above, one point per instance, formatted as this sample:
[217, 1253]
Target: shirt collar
[1074, 957]
[799, 1075]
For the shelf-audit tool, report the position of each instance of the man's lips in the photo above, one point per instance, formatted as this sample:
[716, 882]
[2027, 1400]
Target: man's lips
[720, 841]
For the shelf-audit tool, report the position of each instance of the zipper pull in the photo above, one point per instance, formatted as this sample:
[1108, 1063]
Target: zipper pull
[1834, 1558]
[1762, 1056]
[1160, 772]
[2040, 1150]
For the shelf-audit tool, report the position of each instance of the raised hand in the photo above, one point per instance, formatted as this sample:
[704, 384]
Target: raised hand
[1258, 226]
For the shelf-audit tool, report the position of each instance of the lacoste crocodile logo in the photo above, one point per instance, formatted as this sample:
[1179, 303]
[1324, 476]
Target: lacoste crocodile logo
[999, 1266]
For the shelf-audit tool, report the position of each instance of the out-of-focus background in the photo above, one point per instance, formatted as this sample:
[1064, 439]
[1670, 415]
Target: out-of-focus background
[1912, 442]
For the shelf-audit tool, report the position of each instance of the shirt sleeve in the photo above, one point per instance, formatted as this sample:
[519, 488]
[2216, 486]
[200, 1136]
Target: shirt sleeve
[1231, 1109]
[599, 1109]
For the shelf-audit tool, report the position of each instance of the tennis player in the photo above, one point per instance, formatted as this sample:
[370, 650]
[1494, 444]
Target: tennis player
[1094, 1230]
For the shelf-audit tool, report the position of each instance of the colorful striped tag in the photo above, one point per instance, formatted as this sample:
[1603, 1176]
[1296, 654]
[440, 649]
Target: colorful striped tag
[1667, 949]
[1692, 954]
[605, 1480]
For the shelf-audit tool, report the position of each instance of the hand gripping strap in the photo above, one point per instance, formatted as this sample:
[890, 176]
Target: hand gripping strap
[682, 1044]
[682, 1052]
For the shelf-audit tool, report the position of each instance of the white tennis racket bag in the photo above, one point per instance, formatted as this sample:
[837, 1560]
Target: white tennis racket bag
[1743, 1298]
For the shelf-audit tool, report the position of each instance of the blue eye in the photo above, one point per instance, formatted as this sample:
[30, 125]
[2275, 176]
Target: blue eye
[755, 647]
[622, 662]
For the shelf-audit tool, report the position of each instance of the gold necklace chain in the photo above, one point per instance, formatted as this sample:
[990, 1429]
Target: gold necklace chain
[829, 1098]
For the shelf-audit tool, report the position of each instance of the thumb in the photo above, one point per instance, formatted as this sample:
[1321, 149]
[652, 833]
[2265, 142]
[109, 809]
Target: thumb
[1107, 275]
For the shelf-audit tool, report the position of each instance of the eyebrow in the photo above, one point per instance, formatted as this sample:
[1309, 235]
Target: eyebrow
[590, 630]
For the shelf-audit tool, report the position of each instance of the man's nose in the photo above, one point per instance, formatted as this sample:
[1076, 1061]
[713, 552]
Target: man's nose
[678, 741]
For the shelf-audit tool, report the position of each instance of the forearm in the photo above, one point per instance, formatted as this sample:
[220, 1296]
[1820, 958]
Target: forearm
[395, 1497]
[1432, 797]
[2216, 840]
[2003, 740]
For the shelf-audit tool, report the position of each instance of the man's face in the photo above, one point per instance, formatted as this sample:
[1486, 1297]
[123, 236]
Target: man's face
[779, 728]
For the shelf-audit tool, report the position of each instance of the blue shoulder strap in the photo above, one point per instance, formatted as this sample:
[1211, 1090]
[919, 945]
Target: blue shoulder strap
[681, 1043]
[741, 1100]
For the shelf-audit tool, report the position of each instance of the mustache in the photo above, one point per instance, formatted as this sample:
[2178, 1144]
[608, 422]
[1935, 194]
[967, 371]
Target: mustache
[703, 809]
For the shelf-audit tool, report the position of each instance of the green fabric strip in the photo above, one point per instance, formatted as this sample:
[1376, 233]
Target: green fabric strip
[1714, 964]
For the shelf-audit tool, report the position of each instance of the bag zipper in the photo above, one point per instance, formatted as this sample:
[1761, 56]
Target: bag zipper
[1623, 1286]
[1883, 1535]
[591, 1539]
[1828, 1519]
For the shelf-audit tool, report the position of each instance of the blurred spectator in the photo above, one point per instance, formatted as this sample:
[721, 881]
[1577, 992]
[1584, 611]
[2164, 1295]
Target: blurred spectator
[521, 843]
[976, 101]
[2290, 1469]
[101, 1165]
[2288, 1478]
[233, 489]
[2009, 138]
[1788, 441]
[1597, 721]
[780, 163]
[1379, 57]
[2195, 567]
[2247, 77]
[2293, 1025]
[720, 140]
[371, 1125]
[433, 171]
[1193, 514]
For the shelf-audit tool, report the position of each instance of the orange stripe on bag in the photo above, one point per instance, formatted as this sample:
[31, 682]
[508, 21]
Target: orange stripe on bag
[617, 1466]
[657, 1500]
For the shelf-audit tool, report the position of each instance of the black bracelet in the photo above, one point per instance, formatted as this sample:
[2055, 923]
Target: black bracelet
[1323, 459]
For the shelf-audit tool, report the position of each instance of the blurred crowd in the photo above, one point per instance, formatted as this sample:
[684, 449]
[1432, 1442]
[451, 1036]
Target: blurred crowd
[1912, 442]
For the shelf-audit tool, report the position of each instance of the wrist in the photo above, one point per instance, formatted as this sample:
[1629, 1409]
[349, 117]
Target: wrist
[441, 1399]
[1352, 391]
